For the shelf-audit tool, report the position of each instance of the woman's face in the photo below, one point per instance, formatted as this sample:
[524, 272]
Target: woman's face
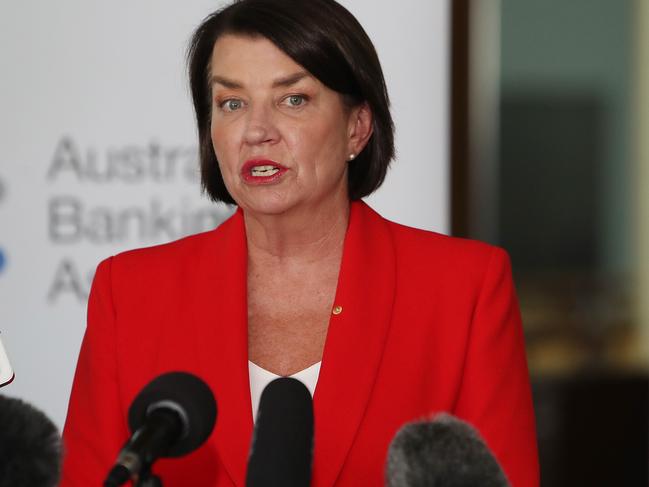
[282, 138]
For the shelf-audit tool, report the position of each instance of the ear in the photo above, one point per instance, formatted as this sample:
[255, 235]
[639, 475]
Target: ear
[360, 128]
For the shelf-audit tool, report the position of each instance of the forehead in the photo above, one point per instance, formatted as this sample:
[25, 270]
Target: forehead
[234, 55]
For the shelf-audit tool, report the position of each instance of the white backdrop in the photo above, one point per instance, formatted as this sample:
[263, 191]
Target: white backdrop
[98, 153]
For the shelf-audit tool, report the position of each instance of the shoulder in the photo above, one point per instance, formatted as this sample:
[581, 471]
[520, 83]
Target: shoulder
[159, 263]
[165, 254]
[433, 248]
[432, 245]
[426, 256]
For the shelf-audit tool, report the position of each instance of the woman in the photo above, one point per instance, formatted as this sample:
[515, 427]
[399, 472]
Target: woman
[294, 128]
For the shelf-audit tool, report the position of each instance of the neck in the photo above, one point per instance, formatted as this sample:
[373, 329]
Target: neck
[303, 235]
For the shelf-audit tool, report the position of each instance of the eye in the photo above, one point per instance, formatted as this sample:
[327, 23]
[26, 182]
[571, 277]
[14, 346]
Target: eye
[231, 105]
[295, 100]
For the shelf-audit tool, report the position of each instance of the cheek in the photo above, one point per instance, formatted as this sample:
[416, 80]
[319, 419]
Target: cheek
[333, 143]
[327, 138]
[216, 132]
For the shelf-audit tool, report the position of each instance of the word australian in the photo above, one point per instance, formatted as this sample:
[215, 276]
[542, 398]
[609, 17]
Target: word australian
[151, 162]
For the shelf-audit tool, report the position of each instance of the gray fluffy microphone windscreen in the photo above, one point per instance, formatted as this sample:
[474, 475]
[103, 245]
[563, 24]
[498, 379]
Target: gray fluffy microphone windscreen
[443, 452]
[30, 446]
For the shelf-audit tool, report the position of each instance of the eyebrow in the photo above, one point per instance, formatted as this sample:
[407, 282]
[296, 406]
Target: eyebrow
[290, 80]
[283, 82]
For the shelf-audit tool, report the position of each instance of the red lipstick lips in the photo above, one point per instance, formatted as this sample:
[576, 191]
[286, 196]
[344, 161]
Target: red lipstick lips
[262, 171]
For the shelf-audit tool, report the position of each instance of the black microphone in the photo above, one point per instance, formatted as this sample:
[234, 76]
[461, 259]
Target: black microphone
[444, 452]
[30, 446]
[282, 444]
[172, 416]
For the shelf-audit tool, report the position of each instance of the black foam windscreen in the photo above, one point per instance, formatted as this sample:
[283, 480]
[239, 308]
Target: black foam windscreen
[282, 445]
[189, 397]
[444, 452]
[30, 446]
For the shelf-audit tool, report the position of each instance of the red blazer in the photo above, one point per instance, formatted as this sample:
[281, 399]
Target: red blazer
[429, 323]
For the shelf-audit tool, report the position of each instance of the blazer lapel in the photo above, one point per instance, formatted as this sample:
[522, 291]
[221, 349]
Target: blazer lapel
[355, 340]
[352, 352]
[220, 303]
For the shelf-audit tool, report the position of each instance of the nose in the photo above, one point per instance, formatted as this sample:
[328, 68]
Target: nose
[260, 125]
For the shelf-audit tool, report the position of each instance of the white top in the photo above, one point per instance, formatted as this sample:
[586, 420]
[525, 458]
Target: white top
[260, 378]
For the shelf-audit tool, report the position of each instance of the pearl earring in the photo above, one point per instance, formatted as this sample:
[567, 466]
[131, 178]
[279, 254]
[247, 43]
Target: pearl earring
[351, 156]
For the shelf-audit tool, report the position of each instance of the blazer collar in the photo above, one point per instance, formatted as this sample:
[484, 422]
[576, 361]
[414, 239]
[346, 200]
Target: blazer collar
[221, 316]
[355, 340]
[352, 352]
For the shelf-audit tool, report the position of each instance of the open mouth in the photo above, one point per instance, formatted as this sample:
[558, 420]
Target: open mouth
[263, 171]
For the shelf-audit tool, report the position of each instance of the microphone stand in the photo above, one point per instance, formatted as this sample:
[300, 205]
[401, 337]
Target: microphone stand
[148, 478]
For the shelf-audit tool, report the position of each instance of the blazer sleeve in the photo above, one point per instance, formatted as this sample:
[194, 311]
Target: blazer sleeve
[495, 394]
[95, 429]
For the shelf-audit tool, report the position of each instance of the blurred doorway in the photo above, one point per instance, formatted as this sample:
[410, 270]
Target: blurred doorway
[549, 162]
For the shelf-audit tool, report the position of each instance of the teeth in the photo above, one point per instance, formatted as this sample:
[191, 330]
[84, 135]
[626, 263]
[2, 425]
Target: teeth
[264, 170]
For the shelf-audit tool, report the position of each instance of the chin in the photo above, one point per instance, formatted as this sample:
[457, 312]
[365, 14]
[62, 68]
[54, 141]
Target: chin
[268, 205]
[270, 201]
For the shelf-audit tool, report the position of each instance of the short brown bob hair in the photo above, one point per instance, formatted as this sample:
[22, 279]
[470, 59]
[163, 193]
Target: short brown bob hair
[324, 38]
